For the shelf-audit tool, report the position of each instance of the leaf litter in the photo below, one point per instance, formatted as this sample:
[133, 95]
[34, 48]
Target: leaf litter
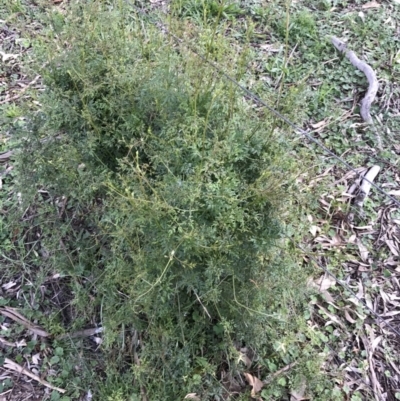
[374, 277]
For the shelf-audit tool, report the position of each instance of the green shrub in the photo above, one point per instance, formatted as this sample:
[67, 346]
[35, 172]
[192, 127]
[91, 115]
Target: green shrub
[207, 9]
[176, 187]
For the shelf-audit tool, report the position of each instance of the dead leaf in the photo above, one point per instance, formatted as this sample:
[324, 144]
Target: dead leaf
[328, 297]
[314, 230]
[394, 192]
[375, 343]
[6, 56]
[352, 239]
[36, 358]
[98, 340]
[337, 240]
[392, 247]
[192, 396]
[9, 285]
[270, 48]
[324, 283]
[391, 313]
[363, 250]
[368, 301]
[348, 317]
[319, 124]
[364, 228]
[255, 383]
[8, 343]
[371, 4]
[245, 359]
[20, 343]
[360, 292]
[332, 317]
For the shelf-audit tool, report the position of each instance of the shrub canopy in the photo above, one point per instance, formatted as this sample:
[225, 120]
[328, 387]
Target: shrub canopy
[175, 187]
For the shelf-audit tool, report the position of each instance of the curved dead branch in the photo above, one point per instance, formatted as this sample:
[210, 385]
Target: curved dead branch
[369, 73]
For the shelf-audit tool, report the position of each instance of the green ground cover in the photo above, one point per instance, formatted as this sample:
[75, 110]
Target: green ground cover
[150, 203]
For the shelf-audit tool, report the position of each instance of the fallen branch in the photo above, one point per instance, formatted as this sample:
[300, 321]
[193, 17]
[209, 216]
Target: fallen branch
[4, 157]
[369, 73]
[366, 186]
[82, 333]
[17, 317]
[9, 364]
[372, 80]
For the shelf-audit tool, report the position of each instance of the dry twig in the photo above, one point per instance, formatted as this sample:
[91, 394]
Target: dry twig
[11, 365]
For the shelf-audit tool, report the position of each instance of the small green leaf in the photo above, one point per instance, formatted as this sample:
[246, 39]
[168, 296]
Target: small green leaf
[55, 396]
[282, 381]
[55, 359]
